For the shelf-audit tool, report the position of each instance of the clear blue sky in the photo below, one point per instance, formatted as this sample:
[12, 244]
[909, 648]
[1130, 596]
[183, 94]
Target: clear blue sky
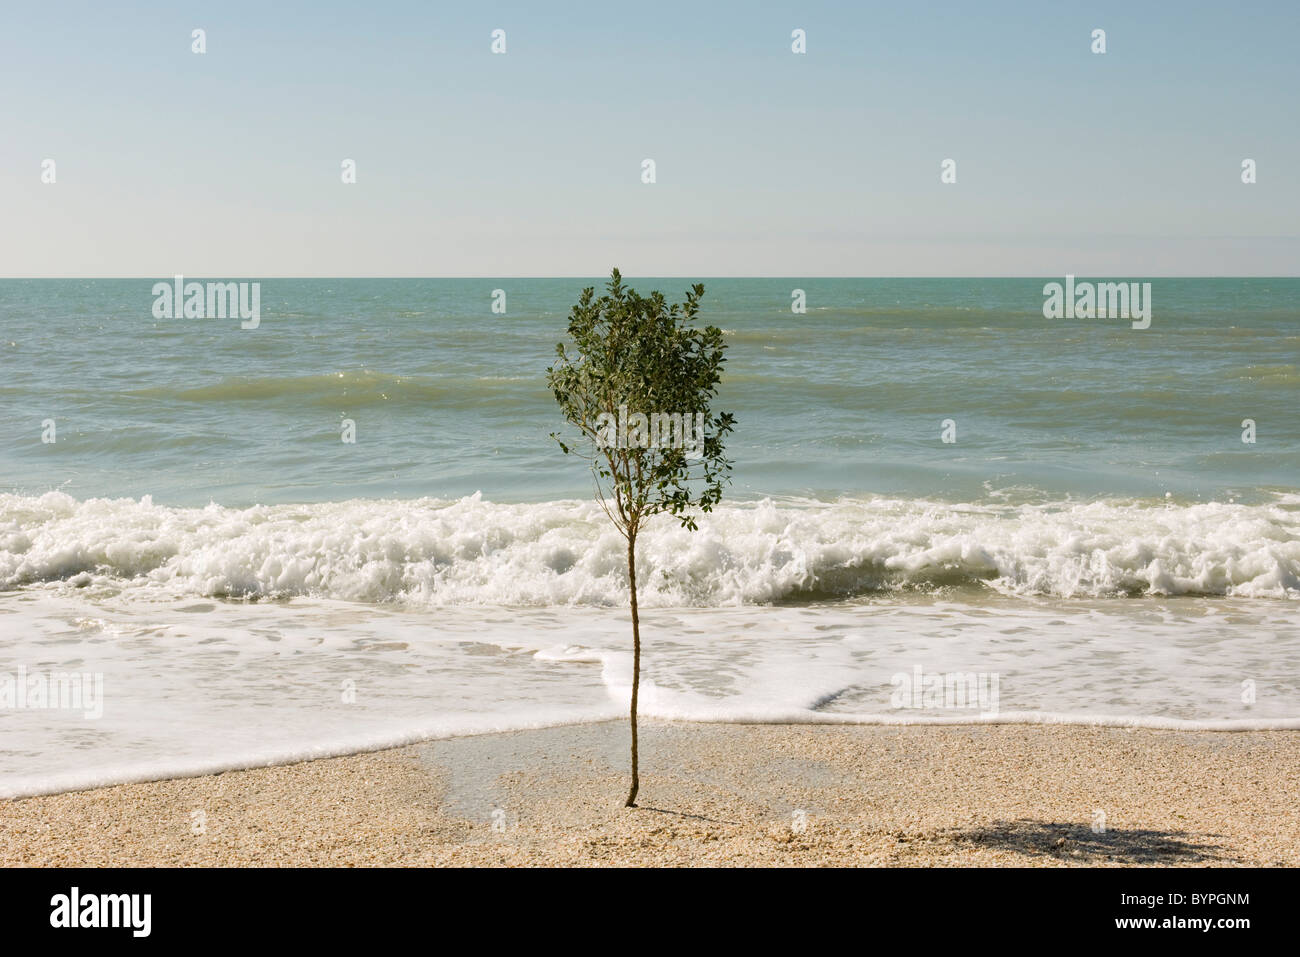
[769, 163]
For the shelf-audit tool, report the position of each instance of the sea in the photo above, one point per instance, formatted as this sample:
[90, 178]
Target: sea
[346, 526]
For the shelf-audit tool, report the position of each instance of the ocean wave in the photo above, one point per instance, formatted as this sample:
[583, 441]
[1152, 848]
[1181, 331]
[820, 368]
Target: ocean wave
[476, 552]
[352, 388]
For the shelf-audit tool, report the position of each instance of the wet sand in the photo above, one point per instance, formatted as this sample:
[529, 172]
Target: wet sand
[713, 795]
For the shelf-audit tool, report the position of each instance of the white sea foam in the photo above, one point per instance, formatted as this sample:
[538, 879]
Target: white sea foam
[193, 686]
[467, 616]
[475, 552]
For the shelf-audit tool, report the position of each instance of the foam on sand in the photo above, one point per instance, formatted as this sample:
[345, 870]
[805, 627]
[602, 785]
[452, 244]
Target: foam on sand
[192, 686]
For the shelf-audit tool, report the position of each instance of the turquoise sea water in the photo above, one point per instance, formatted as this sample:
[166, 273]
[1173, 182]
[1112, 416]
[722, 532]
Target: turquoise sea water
[1098, 537]
[450, 399]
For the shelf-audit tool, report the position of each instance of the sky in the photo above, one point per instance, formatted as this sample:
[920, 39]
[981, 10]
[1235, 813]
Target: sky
[767, 162]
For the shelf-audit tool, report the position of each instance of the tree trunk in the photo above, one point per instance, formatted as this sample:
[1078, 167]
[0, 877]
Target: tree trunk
[636, 662]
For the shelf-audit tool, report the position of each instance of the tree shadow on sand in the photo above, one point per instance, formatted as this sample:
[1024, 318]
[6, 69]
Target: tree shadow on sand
[1077, 842]
[683, 814]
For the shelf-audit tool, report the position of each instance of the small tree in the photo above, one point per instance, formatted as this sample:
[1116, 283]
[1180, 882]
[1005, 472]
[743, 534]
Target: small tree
[639, 372]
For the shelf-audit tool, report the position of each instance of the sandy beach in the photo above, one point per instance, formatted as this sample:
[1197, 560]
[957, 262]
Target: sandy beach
[711, 795]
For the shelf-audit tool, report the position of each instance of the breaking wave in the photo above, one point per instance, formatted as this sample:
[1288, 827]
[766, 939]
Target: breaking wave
[476, 552]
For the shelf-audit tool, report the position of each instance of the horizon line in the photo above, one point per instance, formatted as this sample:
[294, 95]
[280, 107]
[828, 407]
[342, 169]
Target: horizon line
[158, 277]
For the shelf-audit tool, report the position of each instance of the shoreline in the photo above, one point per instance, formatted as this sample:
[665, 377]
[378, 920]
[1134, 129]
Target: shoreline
[75, 782]
[711, 794]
